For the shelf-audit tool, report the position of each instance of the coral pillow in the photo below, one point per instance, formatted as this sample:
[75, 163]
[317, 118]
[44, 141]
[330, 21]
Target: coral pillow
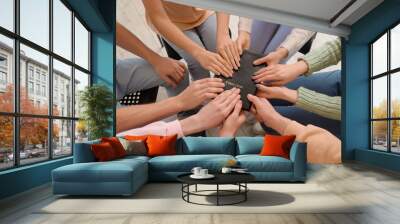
[103, 152]
[116, 145]
[161, 145]
[136, 137]
[275, 145]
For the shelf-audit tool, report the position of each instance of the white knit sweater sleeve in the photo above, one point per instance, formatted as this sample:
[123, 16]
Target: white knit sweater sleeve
[296, 39]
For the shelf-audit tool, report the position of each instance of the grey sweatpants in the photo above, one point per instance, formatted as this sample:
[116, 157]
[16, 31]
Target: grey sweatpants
[203, 35]
[134, 74]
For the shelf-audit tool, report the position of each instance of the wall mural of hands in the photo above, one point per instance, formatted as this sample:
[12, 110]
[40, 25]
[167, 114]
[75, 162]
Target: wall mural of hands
[213, 114]
[265, 113]
[200, 91]
[233, 122]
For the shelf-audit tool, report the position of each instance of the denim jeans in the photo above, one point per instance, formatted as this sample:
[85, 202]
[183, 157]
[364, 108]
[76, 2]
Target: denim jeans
[323, 82]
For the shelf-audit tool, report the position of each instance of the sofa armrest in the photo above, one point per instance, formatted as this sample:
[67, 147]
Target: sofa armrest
[298, 155]
[83, 152]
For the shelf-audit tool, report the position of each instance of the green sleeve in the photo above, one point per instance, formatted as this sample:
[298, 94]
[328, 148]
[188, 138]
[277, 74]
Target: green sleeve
[324, 56]
[323, 105]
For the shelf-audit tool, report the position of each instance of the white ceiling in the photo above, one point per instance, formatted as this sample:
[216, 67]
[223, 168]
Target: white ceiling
[317, 15]
[321, 9]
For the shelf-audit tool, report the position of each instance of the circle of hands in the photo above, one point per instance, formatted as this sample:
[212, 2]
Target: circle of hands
[224, 108]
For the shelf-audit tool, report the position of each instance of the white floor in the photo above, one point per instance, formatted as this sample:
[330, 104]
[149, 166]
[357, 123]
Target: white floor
[376, 189]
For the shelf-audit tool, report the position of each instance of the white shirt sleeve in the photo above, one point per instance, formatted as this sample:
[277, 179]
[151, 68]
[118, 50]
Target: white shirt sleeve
[295, 40]
[245, 24]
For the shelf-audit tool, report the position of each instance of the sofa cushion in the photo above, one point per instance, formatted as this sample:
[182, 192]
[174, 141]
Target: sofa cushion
[206, 145]
[249, 145]
[134, 147]
[103, 152]
[161, 145]
[185, 163]
[132, 159]
[116, 145]
[276, 145]
[257, 163]
[112, 171]
[83, 152]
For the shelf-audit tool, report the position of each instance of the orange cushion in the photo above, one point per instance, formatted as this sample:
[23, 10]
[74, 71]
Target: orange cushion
[103, 152]
[136, 137]
[161, 145]
[116, 145]
[275, 145]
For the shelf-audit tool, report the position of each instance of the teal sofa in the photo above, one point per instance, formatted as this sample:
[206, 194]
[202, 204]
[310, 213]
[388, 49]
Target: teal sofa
[125, 176]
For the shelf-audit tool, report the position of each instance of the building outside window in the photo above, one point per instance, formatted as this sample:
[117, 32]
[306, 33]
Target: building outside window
[3, 72]
[38, 89]
[58, 128]
[385, 91]
[44, 77]
[30, 87]
[44, 91]
[30, 72]
[37, 75]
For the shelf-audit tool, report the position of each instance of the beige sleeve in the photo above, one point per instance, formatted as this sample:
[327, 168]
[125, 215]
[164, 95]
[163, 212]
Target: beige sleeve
[322, 146]
[296, 40]
[245, 24]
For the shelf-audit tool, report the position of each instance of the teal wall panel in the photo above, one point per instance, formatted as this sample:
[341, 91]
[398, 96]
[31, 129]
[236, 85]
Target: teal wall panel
[103, 52]
[24, 178]
[356, 127]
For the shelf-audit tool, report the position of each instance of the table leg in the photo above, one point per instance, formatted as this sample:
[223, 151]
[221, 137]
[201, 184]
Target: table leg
[188, 189]
[196, 187]
[217, 194]
[245, 193]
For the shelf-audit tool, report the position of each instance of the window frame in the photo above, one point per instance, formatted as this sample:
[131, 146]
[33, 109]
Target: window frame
[16, 114]
[388, 74]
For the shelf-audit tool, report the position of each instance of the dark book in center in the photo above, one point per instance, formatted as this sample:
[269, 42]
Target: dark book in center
[242, 78]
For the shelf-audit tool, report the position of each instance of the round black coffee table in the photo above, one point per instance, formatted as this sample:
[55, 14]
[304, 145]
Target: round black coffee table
[238, 179]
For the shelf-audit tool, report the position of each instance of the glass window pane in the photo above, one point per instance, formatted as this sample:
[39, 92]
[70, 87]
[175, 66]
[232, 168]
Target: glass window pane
[62, 29]
[62, 89]
[35, 21]
[395, 94]
[34, 72]
[62, 138]
[6, 142]
[395, 47]
[81, 45]
[379, 56]
[7, 14]
[81, 131]
[379, 135]
[395, 136]
[81, 81]
[33, 139]
[6, 74]
[379, 97]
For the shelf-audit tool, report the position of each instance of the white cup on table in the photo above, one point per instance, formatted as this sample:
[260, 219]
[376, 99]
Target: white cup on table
[196, 171]
[203, 172]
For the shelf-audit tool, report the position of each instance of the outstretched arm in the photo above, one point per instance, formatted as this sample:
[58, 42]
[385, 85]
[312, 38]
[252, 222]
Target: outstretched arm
[314, 102]
[209, 60]
[169, 70]
[130, 42]
[322, 146]
[211, 115]
[139, 115]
